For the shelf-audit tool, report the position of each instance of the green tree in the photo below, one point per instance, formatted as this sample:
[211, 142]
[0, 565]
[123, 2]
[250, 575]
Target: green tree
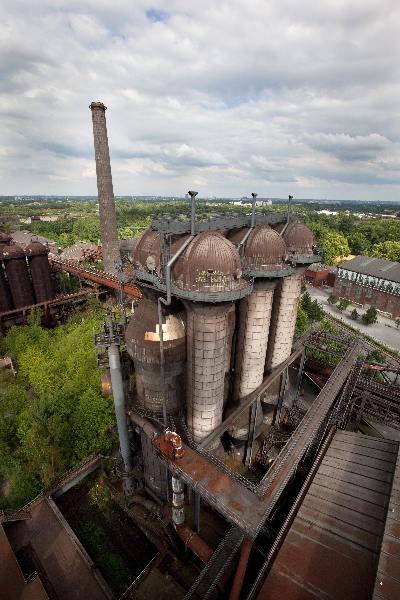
[306, 303]
[315, 313]
[343, 304]
[52, 414]
[354, 315]
[332, 299]
[301, 321]
[358, 243]
[389, 250]
[332, 245]
[370, 316]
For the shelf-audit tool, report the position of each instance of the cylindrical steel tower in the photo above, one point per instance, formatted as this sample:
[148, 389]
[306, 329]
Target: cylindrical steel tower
[108, 220]
[40, 271]
[299, 241]
[18, 275]
[143, 345]
[209, 270]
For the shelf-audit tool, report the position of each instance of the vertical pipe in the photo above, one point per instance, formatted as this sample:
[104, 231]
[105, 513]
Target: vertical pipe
[108, 220]
[300, 375]
[196, 511]
[241, 569]
[193, 212]
[253, 210]
[119, 404]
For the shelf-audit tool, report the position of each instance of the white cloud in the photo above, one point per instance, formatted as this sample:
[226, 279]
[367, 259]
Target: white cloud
[282, 97]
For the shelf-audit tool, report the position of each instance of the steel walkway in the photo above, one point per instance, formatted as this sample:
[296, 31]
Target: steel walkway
[332, 548]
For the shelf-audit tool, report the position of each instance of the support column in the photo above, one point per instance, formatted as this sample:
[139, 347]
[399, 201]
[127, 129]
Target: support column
[252, 340]
[283, 322]
[207, 338]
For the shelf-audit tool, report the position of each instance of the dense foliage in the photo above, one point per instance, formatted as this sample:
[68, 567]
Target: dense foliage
[52, 413]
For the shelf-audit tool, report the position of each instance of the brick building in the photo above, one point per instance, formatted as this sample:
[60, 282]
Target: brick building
[372, 281]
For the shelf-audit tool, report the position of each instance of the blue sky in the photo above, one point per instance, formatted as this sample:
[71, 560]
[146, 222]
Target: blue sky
[280, 97]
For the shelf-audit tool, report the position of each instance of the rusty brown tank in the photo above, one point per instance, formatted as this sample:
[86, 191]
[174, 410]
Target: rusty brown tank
[143, 345]
[40, 271]
[210, 263]
[264, 250]
[18, 275]
[147, 253]
[299, 239]
[6, 302]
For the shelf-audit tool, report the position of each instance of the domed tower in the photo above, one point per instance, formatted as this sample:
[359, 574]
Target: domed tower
[147, 255]
[40, 271]
[6, 302]
[18, 275]
[208, 275]
[143, 345]
[300, 244]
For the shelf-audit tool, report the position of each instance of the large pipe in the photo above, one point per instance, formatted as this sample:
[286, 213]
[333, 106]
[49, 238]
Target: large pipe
[108, 219]
[120, 414]
[252, 223]
[193, 541]
[241, 569]
[189, 537]
[192, 211]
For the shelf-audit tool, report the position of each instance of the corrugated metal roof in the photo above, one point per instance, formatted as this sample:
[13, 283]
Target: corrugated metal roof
[387, 584]
[376, 267]
[332, 548]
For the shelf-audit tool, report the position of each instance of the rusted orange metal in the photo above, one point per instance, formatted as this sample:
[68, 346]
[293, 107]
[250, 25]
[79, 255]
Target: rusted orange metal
[241, 569]
[175, 442]
[106, 279]
[193, 541]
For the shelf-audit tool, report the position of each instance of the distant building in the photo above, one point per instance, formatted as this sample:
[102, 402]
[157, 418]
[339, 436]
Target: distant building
[82, 252]
[372, 281]
[319, 274]
[24, 238]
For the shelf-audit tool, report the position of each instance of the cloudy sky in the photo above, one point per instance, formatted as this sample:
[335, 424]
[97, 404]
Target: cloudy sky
[227, 97]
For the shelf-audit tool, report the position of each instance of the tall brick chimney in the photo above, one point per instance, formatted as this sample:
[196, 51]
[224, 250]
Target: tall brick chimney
[108, 221]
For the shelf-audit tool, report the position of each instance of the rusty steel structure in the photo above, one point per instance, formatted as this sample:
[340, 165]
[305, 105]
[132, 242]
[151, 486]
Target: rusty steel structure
[17, 272]
[40, 272]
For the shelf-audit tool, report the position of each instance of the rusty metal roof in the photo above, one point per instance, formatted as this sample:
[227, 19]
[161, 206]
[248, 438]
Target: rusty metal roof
[12, 251]
[147, 253]
[36, 248]
[299, 239]
[332, 548]
[264, 249]
[387, 583]
[210, 263]
[4, 238]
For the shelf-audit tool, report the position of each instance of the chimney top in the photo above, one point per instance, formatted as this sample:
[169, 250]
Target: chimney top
[97, 105]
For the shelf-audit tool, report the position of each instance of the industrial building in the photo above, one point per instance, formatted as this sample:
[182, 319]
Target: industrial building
[254, 486]
[371, 281]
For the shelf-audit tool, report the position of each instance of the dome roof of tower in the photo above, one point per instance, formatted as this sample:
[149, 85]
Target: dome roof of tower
[147, 252]
[210, 263]
[299, 239]
[4, 238]
[35, 249]
[12, 251]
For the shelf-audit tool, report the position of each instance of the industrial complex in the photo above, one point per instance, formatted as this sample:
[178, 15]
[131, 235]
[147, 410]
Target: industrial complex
[267, 465]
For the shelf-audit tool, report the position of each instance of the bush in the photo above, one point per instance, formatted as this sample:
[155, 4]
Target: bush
[354, 315]
[332, 299]
[371, 316]
[343, 304]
